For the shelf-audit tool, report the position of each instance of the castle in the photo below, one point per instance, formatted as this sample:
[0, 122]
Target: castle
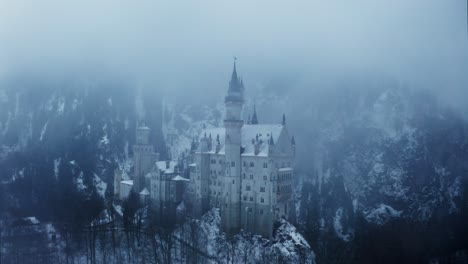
[245, 170]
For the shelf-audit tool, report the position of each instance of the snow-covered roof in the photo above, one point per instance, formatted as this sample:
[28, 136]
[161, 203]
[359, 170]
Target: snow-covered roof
[259, 133]
[128, 182]
[144, 192]
[162, 166]
[179, 178]
[285, 169]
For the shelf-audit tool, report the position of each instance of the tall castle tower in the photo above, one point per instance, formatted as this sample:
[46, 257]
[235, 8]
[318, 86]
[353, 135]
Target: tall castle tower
[234, 101]
[144, 157]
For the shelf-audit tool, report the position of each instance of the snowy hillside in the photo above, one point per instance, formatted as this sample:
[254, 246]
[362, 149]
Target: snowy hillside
[287, 246]
[67, 138]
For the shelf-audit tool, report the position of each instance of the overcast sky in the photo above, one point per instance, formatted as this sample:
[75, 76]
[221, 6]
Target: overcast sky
[189, 45]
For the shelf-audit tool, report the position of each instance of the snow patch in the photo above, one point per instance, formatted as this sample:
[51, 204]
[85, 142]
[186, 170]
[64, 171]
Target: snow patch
[104, 141]
[61, 106]
[79, 182]
[381, 214]
[454, 191]
[338, 226]
[44, 129]
[101, 186]
[56, 167]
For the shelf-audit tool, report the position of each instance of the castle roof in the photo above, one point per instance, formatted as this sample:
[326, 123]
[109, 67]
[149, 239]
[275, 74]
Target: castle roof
[162, 166]
[145, 192]
[179, 178]
[252, 134]
[127, 182]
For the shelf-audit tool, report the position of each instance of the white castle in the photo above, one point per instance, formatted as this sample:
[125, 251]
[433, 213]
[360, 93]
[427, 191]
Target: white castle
[245, 170]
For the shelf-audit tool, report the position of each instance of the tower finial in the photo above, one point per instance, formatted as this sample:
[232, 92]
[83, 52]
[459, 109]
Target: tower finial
[234, 70]
[284, 119]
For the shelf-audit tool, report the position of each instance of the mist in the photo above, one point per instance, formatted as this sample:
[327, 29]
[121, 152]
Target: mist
[187, 48]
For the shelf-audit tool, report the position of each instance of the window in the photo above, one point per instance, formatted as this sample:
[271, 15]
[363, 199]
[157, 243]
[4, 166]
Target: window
[251, 176]
[261, 211]
[213, 161]
[220, 162]
[247, 188]
[243, 175]
[265, 165]
[245, 164]
[245, 198]
[252, 164]
[249, 209]
[262, 189]
[265, 178]
[233, 181]
[251, 199]
[233, 164]
[262, 200]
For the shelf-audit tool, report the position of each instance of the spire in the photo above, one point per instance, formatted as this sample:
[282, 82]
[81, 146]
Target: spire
[236, 83]
[271, 141]
[234, 72]
[254, 120]
[236, 87]
[284, 120]
[293, 141]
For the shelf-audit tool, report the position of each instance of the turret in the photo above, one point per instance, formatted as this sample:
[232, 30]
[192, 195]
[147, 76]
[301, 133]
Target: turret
[142, 135]
[144, 156]
[204, 144]
[233, 123]
[254, 116]
[234, 99]
[218, 144]
[293, 144]
[271, 144]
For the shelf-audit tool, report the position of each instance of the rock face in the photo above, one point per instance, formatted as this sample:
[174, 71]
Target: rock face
[287, 246]
[400, 155]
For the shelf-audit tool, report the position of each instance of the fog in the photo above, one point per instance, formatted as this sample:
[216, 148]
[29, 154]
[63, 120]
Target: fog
[187, 47]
